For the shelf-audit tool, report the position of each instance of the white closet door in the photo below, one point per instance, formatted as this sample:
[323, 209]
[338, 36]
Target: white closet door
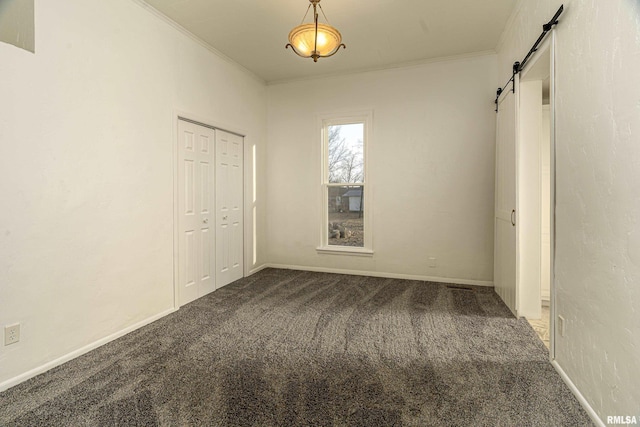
[195, 205]
[229, 208]
[505, 258]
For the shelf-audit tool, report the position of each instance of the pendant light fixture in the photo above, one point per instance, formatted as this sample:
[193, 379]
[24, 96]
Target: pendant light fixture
[315, 40]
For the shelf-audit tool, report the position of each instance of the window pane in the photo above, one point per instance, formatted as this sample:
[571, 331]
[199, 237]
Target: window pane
[346, 153]
[346, 216]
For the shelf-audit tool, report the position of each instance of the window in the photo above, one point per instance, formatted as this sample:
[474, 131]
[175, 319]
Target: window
[345, 219]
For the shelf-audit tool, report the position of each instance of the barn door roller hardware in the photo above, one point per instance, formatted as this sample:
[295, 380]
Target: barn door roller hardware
[519, 66]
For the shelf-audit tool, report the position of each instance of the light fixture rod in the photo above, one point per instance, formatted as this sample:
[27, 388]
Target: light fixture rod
[323, 14]
[305, 14]
[314, 55]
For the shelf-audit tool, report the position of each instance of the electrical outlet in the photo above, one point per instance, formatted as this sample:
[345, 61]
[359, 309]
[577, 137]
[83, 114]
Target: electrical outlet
[432, 262]
[11, 334]
[562, 326]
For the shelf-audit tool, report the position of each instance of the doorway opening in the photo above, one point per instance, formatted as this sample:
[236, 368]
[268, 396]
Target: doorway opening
[536, 204]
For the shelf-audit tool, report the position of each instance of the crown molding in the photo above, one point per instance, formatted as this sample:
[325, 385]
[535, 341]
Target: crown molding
[410, 64]
[155, 12]
[509, 26]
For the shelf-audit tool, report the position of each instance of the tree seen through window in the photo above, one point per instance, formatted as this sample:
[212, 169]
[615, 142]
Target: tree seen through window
[345, 200]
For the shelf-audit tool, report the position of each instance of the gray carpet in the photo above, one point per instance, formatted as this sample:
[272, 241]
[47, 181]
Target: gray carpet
[291, 348]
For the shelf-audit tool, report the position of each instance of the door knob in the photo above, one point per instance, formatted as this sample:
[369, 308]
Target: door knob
[206, 220]
[224, 218]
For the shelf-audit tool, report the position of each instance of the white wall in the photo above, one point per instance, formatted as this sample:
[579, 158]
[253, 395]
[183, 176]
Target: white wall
[431, 168]
[597, 264]
[86, 175]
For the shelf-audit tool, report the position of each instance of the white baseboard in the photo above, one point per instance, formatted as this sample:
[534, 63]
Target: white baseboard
[583, 402]
[79, 352]
[384, 274]
[257, 269]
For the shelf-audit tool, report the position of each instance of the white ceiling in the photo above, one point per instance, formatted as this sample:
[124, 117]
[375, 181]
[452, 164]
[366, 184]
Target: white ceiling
[377, 33]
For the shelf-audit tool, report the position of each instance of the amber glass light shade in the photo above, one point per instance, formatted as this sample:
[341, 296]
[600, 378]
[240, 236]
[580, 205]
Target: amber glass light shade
[303, 39]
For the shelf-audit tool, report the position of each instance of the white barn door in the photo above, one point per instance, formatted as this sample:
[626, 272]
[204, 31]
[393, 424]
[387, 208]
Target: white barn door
[229, 208]
[195, 212]
[505, 245]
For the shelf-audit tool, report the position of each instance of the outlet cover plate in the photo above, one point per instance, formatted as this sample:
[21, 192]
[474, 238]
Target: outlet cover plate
[562, 326]
[11, 334]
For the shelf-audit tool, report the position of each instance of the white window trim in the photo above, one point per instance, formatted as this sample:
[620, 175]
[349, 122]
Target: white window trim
[324, 121]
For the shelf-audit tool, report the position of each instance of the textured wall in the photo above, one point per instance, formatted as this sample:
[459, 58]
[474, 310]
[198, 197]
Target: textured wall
[86, 172]
[598, 191]
[431, 168]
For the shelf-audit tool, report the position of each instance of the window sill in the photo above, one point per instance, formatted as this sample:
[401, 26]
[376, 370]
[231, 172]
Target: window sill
[345, 250]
